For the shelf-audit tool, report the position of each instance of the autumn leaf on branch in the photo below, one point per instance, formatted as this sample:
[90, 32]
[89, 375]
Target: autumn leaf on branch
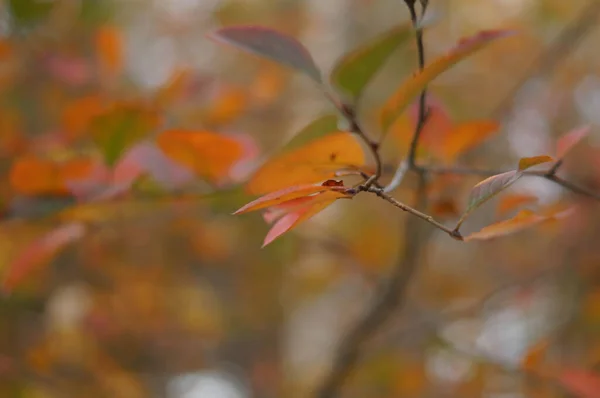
[288, 207]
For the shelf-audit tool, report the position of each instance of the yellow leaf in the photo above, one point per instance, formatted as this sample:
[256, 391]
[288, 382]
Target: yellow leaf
[526, 163]
[314, 162]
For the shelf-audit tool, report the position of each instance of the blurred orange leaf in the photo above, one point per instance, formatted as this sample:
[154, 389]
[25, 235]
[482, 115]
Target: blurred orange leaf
[316, 161]
[229, 102]
[208, 154]
[465, 137]
[40, 251]
[511, 202]
[109, 48]
[78, 115]
[35, 176]
[535, 355]
[411, 88]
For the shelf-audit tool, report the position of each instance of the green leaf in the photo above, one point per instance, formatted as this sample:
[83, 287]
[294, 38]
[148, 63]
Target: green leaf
[410, 89]
[355, 70]
[27, 12]
[270, 44]
[121, 126]
[316, 129]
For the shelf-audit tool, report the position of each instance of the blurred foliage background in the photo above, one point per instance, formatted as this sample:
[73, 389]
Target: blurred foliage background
[168, 295]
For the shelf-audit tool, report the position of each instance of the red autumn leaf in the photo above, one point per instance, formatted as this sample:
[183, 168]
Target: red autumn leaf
[583, 383]
[293, 218]
[39, 252]
[287, 194]
[291, 206]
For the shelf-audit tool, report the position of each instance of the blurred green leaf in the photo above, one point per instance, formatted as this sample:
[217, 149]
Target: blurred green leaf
[355, 70]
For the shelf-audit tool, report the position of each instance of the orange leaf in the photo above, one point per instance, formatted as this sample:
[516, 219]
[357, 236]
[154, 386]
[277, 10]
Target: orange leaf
[316, 161]
[39, 252]
[526, 163]
[229, 102]
[208, 154]
[569, 140]
[523, 220]
[511, 202]
[78, 115]
[535, 355]
[583, 383]
[411, 88]
[109, 47]
[286, 195]
[465, 137]
[34, 176]
[293, 219]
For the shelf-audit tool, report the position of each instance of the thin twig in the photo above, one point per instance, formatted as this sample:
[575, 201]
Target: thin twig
[349, 113]
[412, 154]
[454, 234]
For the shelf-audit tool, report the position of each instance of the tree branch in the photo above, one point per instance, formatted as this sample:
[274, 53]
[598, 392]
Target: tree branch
[393, 289]
[392, 297]
[548, 175]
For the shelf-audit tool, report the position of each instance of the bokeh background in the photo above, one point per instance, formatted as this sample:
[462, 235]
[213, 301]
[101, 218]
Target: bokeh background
[169, 295]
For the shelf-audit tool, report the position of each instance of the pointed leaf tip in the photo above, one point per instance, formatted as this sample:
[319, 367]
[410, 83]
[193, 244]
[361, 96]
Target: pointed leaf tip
[526, 163]
[271, 44]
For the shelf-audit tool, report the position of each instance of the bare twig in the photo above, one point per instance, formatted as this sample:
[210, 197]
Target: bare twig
[455, 234]
[422, 98]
